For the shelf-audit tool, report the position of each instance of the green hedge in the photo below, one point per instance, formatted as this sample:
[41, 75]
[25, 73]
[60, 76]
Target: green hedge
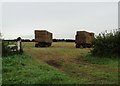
[5, 49]
[107, 44]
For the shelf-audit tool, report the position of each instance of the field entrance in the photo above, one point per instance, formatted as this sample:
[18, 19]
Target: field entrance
[59, 54]
[65, 57]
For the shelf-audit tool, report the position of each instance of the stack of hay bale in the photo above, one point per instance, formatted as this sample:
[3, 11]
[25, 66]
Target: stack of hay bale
[84, 39]
[43, 38]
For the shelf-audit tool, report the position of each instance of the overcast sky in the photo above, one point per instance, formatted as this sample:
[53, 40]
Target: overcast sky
[63, 19]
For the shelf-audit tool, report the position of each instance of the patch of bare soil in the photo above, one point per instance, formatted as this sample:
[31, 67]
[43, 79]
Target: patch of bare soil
[54, 63]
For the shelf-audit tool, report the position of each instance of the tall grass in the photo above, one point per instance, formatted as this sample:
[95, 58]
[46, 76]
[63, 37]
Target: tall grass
[107, 44]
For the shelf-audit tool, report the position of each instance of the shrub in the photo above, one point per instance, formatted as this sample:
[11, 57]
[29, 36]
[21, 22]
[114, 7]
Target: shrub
[107, 44]
[5, 49]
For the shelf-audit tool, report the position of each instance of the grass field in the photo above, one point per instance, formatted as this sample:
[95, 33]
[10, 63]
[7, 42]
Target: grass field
[65, 63]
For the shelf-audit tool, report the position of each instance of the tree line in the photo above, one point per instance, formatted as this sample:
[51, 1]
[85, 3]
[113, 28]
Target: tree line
[33, 40]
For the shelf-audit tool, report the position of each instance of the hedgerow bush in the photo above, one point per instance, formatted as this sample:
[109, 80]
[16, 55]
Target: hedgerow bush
[5, 49]
[107, 44]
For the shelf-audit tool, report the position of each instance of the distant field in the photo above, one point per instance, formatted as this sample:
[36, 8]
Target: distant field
[66, 64]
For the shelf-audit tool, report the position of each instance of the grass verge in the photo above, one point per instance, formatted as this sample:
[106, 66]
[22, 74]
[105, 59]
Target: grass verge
[21, 69]
[106, 68]
[112, 61]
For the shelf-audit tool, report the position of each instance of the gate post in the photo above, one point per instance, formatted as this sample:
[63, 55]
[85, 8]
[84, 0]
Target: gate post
[19, 44]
